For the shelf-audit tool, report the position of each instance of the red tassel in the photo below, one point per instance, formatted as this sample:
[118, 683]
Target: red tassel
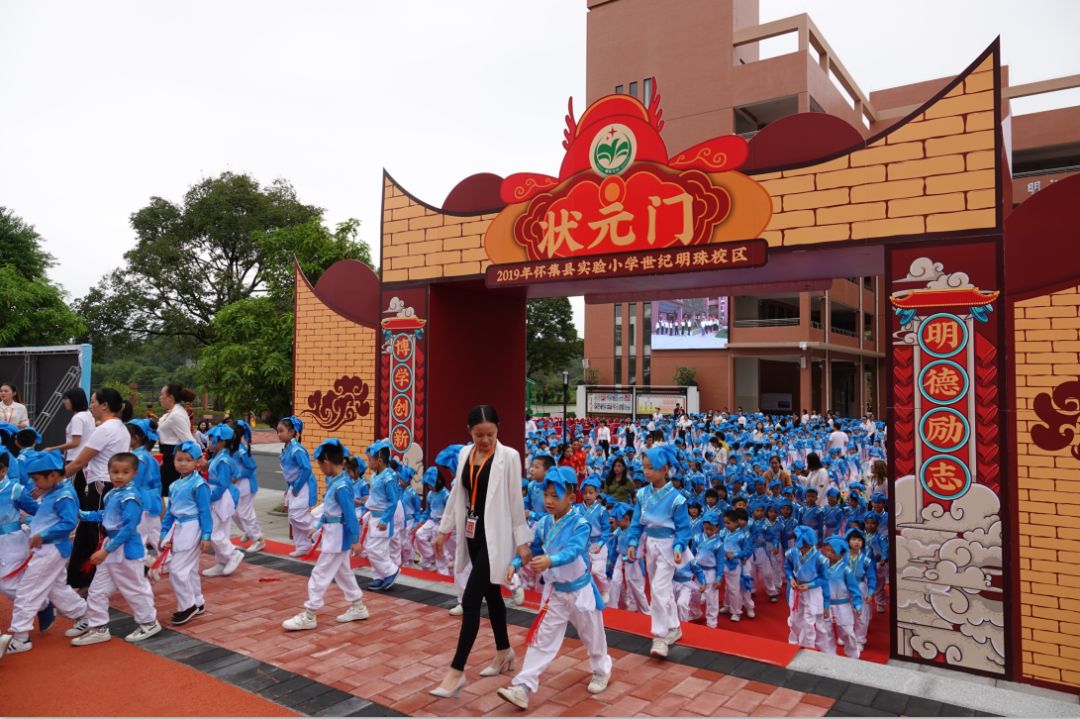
[88, 566]
[160, 561]
[795, 604]
[530, 638]
[363, 535]
[19, 569]
[314, 549]
[271, 579]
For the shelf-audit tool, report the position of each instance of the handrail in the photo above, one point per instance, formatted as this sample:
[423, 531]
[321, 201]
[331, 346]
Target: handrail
[780, 322]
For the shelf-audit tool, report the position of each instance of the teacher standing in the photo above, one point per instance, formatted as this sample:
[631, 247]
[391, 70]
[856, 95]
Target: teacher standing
[486, 510]
[174, 427]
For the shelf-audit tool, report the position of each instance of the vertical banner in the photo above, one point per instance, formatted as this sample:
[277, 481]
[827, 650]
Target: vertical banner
[948, 580]
[403, 382]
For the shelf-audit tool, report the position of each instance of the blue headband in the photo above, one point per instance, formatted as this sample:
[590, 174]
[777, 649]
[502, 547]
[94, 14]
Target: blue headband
[838, 544]
[449, 457]
[45, 462]
[662, 456]
[332, 442]
[620, 510]
[431, 475]
[592, 481]
[805, 536]
[295, 423]
[560, 478]
[377, 447]
[245, 428]
[221, 432]
[143, 425]
[190, 447]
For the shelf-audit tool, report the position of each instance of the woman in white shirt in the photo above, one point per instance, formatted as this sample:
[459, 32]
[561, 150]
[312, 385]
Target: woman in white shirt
[817, 478]
[174, 427]
[108, 438]
[11, 411]
[603, 437]
[78, 430]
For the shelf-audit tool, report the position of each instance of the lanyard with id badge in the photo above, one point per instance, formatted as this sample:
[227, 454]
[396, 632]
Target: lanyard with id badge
[474, 475]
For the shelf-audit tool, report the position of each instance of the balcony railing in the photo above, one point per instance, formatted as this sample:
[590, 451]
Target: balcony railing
[845, 332]
[783, 322]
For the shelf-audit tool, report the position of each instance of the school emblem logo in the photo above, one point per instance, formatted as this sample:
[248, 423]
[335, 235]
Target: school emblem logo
[613, 150]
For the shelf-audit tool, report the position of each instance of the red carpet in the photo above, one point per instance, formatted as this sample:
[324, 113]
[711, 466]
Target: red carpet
[768, 631]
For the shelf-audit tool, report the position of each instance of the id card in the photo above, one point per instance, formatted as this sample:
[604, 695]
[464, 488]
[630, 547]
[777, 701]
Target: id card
[470, 527]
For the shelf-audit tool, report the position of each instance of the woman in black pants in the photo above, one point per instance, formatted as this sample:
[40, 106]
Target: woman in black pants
[486, 510]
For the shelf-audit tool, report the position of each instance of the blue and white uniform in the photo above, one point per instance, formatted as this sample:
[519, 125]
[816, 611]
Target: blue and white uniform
[660, 515]
[223, 498]
[386, 517]
[301, 494]
[187, 523]
[247, 486]
[340, 531]
[15, 501]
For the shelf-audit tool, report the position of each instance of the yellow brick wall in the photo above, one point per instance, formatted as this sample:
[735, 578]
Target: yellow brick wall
[1047, 354]
[422, 244]
[321, 332]
[933, 174]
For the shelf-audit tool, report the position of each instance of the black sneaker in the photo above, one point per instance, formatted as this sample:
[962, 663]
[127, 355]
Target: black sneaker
[200, 610]
[46, 617]
[185, 616]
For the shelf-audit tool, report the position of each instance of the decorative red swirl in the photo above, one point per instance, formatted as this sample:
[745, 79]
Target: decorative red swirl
[1060, 410]
[346, 402]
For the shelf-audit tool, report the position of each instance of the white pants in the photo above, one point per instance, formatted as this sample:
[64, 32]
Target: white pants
[734, 595]
[245, 517]
[184, 577]
[711, 597]
[843, 622]
[222, 511]
[14, 547]
[551, 632]
[379, 546]
[598, 566]
[776, 557]
[627, 590]
[150, 531]
[425, 546]
[660, 563]
[127, 576]
[862, 617]
[687, 600]
[331, 567]
[403, 540]
[300, 520]
[763, 571]
[44, 581]
[804, 617]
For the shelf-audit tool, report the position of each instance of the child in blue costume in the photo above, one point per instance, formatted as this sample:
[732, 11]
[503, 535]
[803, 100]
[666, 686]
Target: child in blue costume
[119, 561]
[435, 501]
[863, 567]
[247, 486]
[833, 514]
[772, 533]
[688, 584]
[560, 553]
[15, 501]
[599, 531]
[43, 580]
[735, 552]
[845, 599]
[806, 571]
[223, 497]
[387, 517]
[707, 553]
[189, 511]
[410, 509]
[812, 515]
[301, 489]
[627, 587]
[660, 514]
[340, 540]
[761, 557]
[148, 484]
[534, 495]
[878, 545]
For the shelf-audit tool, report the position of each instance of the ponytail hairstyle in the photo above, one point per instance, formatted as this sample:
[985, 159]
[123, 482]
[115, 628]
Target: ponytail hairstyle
[295, 425]
[237, 439]
[180, 393]
[482, 413]
[14, 391]
[116, 404]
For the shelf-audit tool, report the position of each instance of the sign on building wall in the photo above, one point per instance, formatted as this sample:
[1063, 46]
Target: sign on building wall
[664, 403]
[698, 323]
[403, 370]
[610, 402]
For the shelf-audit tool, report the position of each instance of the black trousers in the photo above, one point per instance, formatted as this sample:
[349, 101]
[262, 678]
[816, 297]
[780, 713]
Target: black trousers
[87, 534]
[168, 470]
[477, 589]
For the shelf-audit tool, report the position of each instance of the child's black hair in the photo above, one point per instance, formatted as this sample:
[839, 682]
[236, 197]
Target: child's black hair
[383, 455]
[741, 514]
[352, 463]
[334, 454]
[135, 431]
[546, 460]
[5, 458]
[732, 514]
[710, 492]
[125, 457]
[26, 438]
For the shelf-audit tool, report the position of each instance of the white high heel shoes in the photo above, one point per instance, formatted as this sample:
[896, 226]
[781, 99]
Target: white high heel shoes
[507, 664]
[449, 693]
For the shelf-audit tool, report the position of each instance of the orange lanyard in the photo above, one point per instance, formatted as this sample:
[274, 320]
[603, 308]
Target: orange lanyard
[474, 475]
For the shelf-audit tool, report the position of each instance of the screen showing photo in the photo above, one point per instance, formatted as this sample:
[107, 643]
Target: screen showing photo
[700, 323]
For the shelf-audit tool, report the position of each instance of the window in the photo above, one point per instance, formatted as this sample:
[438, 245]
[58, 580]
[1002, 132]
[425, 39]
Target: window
[646, 92]
[633, 88]
[619, 89]
[646, 353]
[631, 366]
[618, 343]
[646, 366]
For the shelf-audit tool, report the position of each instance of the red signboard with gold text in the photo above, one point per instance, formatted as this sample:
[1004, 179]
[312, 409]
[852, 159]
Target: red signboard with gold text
[618, 191]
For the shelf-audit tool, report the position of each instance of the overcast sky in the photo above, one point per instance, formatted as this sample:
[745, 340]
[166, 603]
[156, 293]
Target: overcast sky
[106, 104]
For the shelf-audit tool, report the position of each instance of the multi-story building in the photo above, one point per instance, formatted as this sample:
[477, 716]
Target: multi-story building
[793, 345]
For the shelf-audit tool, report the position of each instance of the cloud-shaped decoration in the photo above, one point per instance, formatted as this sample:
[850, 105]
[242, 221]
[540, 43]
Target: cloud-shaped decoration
[958, 649]
[978, 509]
[986, 537]
[904, 496]
[951, 281]
[922, 548]
[957, 606]
[913, 606]
[963, 552]
[396, 305]
[948, 574]
[924, 269]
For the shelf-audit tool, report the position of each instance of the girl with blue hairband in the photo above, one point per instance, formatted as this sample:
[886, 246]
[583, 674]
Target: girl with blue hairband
[806, 570]
[247, 486]
[386, 517]
[434, 506]
[599, 530]
[626, 590]
[186, 530]
[148, 484]
[837, 623]
[301, 488]
[223, 497]
[410, 507]
[661, 515]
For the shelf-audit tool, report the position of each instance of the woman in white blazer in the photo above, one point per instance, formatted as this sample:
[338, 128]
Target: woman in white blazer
[487, 512]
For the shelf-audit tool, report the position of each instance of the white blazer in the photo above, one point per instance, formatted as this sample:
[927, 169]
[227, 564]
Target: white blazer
[504, 512]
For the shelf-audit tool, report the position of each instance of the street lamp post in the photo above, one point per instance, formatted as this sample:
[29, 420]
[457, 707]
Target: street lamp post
[565, 399]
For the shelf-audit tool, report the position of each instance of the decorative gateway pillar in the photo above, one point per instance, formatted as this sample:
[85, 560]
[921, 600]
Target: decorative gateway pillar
[949, 586]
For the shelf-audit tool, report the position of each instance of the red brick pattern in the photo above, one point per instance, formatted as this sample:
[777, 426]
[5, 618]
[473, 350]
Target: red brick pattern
[395, 657]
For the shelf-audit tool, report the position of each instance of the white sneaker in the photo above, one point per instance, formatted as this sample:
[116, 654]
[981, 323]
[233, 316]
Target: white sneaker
[298, 552]
[9, 644]
[604, 598]
[97, 635]
[659, 648]
[674, 635]
[725, 610]
[735, 617]
[257, 546]
[599, 683]
[78, 630]
[355, 612]
[516, 695]
[750, 614]
[215, 571]
[233, 563]
[518, 596]
[143, 631]
[456, 611]
[303, 620]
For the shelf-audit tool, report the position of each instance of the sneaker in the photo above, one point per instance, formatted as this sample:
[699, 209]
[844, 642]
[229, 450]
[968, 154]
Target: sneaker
[774, 598]
[95, 635]
[143, 631]
[518, 596]
[79, 629]
[725, 610]
[233, 563]
[674, 635]
[184, 616]
[375, 585]
[303, 620]
[599, 683]
[388, 582]
[516, 695]
[355, 612]
[298, 552]
[456, 610]
[201, 609]
[215, 571]
[257, 546]
[659, 648]
[750, 614]
[710, 625]
[735, 618]
[9, 644]
[46, 617]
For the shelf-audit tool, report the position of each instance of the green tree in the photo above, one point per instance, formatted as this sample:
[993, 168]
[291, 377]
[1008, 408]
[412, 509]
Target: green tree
[33, 311]
[552, 343]
[685, 376]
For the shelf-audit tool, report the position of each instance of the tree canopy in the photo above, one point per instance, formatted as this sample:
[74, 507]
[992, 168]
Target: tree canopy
[552, 343]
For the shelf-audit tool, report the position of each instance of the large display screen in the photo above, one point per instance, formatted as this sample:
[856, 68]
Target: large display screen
[693, 324]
